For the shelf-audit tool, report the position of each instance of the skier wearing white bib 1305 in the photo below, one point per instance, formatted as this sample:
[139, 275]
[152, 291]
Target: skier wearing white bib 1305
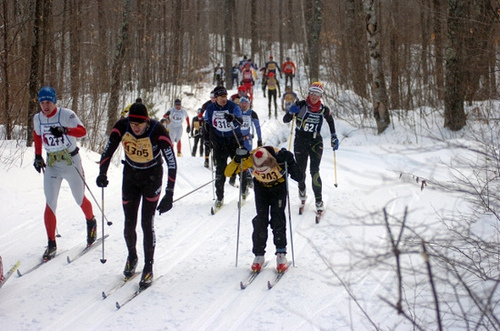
[56, 129]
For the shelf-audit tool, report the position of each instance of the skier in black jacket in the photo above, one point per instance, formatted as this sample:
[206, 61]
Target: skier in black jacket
[309, 115]
[270, 167]
[144, 141]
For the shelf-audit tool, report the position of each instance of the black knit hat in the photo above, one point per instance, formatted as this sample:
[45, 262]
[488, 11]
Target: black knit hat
[220, 91]
[138, 113]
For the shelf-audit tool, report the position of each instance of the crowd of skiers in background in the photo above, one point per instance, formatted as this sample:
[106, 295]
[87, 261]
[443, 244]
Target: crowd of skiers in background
[224, 128]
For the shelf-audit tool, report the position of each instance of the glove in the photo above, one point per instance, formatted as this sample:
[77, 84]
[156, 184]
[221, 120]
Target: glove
[102, 180]
[58, 131]
[259, 143]
[241, 153]
[284, 156]
[229, 117]
[166, 203]
[39, 163]
[335, 142]
[188, 129]
[294, 109]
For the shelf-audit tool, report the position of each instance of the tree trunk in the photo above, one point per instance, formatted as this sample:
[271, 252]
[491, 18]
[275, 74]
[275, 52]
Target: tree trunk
[379, 92]
[438, 47]
[454, 114]
[5, 68]
[253, 29]
[117, 67]
[75, 29]
[314, 49]
[34, 79]
[228, 39]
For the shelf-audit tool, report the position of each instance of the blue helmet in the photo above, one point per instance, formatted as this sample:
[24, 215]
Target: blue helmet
[47, 93]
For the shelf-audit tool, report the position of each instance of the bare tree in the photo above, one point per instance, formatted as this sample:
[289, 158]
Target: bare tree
[379, 92]
[117, 66]
[454, 97]
[34, 79]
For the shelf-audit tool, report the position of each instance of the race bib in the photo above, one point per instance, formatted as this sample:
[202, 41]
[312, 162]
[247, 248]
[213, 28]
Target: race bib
[53, 143]
[311, 122]
[247, 120]
[137, 150]
[268, 176]
[219, 122]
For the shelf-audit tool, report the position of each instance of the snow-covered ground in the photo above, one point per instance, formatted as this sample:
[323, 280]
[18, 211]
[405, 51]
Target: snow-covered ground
[197, 280]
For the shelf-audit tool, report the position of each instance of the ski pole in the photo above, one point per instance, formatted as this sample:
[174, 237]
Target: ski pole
[196, 189]
[335, 167]
[103, 260]
[291, 133]
[289, 213]
[88, 188]
[239, 214]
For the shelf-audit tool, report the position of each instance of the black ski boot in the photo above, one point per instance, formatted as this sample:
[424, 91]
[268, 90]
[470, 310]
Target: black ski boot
[91, 231]
[50, 251]
[130, 266]
[147, 276]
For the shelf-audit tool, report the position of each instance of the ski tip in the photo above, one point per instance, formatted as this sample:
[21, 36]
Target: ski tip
[269, 285]
[117, 305]
[68, 259]
[212, 211]
[19, 274]
[104, 296]
[242, 286]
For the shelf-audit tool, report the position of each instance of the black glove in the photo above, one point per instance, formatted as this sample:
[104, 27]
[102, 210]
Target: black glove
[301, 103]
[241, 153]
[102, 180]
[229, 117]
[39, 163]
[58, 131]
[188, 129]
[284, 156]
[166, 203]
[259, 143]
[335, 142]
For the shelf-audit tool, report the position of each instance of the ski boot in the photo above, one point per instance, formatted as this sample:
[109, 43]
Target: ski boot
[281, 262]
[91, 231]
[258, 262]
[50, 251]
[130, 266]
[147, 276]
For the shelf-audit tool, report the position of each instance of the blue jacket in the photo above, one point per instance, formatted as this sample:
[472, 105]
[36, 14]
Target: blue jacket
[218, 125]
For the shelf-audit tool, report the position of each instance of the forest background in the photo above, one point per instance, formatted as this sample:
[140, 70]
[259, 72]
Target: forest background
[400, 55]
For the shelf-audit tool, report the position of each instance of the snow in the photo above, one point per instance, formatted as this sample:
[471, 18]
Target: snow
[331, 286]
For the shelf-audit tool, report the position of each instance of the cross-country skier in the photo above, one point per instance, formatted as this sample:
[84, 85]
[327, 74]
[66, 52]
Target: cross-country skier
[144, 141]
[270, 189]
[56, 129]
[309, 115]
[175, 116]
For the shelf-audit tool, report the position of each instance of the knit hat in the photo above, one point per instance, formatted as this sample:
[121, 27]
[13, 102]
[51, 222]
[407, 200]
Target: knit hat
[243, 99]
[138, 113]
[220, 91]
[177, 102]
[47, 93]
[262, 160]
[316, 88]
